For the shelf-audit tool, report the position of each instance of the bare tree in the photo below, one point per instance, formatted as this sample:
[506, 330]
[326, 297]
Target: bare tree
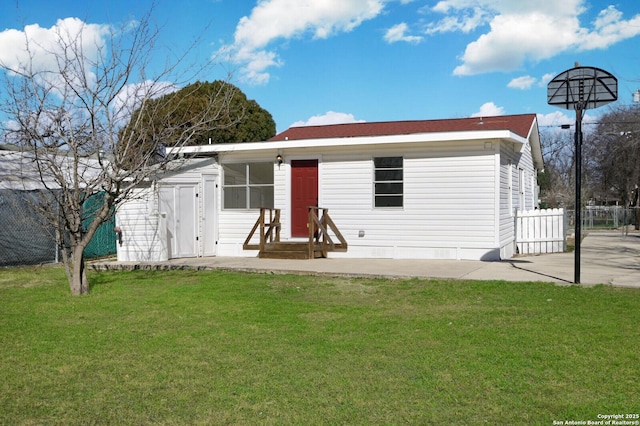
[70, 114]
[616, 151]
[558, 154]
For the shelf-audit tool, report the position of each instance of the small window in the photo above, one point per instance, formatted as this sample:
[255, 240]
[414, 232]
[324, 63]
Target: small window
[388, 181]
[247, 185]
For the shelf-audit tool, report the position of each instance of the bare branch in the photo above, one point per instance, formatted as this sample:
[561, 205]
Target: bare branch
[69, 108]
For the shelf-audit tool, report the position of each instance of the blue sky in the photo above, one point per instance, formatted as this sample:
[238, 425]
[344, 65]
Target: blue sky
[328, 61]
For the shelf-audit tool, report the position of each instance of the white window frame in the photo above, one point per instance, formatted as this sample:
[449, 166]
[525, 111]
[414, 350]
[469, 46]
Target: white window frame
[247, 185]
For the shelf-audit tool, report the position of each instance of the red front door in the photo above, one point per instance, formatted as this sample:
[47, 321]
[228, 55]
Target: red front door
[304, 193]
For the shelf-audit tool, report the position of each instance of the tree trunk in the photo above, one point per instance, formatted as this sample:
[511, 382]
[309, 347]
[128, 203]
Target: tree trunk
[78, 281]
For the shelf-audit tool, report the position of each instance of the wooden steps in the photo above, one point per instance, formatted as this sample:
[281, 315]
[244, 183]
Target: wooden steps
[290, 250]
[319, 244]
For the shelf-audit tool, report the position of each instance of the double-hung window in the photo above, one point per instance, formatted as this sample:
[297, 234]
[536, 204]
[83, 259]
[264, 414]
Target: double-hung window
[247, 185]
[388, 181]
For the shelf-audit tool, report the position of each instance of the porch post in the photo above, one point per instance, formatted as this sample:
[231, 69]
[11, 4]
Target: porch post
[262, 236]
[311, 225]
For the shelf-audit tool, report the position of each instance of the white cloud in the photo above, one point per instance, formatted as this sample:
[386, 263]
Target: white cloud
[330, 117]
[554, 119]
[489, 109]
[465, 23]
[398, 33]
[527, 31]
[523, 83]
[39, 48]
[514, 39]
[273, 20]
[130, 97]
[610, 28]
[563, 117]
[546, 78]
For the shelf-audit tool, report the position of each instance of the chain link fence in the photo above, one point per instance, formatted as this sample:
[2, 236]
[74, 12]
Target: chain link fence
[607, 217]
[26, 238]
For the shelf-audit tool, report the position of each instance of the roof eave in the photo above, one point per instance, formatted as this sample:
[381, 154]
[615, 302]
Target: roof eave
[353, 141]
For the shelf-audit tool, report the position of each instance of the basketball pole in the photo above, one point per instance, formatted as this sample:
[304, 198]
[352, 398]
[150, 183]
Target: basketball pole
[581, 88]
[578, 206]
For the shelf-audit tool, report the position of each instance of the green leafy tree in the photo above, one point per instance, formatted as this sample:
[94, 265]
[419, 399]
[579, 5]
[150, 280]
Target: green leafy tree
[234, 118]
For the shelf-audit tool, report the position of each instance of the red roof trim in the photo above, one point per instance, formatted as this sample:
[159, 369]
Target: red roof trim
[518, 124]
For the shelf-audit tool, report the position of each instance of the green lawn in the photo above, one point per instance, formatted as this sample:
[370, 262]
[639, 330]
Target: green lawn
[215, 348]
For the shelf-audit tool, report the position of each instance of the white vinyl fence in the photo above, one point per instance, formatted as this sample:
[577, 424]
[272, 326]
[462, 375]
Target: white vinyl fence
[541, 231]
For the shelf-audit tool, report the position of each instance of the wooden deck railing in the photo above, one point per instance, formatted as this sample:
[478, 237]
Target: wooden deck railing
[269, 224]
[319, 225]
[324, 236]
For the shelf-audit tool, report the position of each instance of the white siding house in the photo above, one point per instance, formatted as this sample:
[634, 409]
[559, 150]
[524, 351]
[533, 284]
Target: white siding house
[432, 189]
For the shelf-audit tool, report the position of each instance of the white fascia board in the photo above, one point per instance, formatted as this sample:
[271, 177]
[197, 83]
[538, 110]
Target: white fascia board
[534, 137]
[353, 141]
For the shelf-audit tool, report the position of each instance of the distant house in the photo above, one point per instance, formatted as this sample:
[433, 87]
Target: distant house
[428, 189]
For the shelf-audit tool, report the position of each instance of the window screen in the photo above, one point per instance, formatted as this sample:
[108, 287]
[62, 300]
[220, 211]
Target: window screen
[388, 181]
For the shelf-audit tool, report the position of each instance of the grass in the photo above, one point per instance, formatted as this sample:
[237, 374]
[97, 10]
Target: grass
[230, 348]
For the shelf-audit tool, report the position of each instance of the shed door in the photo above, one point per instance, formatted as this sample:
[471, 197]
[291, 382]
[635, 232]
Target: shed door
[178, 203]
[209, 217]
[304, 193]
